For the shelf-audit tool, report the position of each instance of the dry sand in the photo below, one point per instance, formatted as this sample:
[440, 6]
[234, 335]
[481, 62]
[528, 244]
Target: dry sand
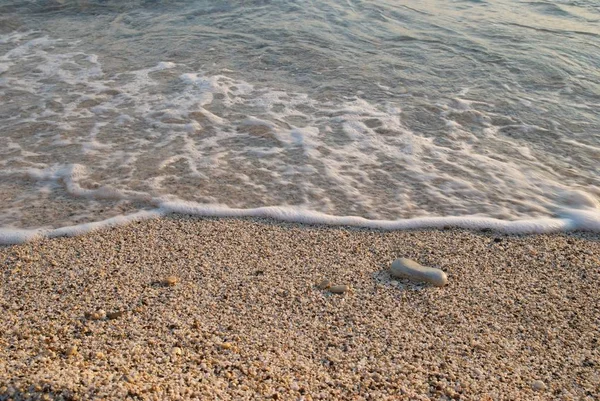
[520, 318]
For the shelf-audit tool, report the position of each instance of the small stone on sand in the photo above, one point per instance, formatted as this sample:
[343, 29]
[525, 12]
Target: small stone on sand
[170, 281]
[538, 385]
[323, 285]
[72, 350]
[339, 289]
[407, 268]
[115, 315]
[98, 315]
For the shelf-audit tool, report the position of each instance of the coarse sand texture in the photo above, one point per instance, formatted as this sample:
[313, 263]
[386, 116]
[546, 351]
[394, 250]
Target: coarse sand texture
[229, 309]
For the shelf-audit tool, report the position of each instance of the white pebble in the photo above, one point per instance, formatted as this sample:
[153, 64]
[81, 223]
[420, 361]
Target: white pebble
[407, 268]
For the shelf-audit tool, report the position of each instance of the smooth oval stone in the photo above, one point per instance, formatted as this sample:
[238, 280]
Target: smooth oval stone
[339, 289]
[407, 268]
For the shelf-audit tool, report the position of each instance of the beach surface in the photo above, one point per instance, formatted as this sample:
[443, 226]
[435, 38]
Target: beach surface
[227, 309]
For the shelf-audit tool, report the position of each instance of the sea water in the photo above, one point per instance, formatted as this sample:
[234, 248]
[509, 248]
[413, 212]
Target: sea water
[377, 113]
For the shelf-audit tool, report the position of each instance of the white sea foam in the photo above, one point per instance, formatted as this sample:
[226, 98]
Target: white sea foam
[585, 219]
[10, 236]
[88, 147]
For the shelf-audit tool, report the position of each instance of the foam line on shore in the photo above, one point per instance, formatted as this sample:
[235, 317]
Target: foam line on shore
[584, 219]
[11, 236]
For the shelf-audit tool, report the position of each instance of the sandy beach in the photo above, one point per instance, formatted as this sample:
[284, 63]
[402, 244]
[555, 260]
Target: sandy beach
[242, 318]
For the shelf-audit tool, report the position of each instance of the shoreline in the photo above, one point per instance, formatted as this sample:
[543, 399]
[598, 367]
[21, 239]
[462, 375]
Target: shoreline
[245, 320]
[582, 216]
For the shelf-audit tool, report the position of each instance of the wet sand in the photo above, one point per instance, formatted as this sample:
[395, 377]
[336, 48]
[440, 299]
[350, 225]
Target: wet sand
[91, 316]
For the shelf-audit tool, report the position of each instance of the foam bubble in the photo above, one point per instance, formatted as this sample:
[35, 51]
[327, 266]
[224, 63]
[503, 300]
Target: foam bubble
[10, 236]
[577, 199]
[583, 220]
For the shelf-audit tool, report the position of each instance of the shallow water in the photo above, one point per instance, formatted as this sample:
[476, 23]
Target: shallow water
[345, 108]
